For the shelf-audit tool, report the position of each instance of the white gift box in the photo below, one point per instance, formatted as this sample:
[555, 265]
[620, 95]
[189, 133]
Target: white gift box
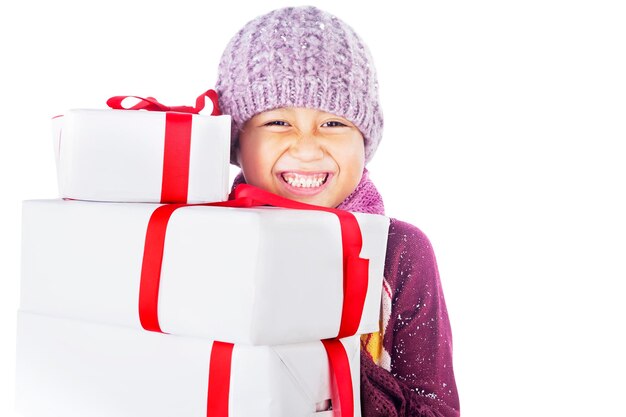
[259, 276]
[72, 368]
[119, 155]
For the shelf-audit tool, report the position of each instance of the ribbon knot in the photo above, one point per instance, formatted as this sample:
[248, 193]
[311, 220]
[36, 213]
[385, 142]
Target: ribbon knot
[152, 104]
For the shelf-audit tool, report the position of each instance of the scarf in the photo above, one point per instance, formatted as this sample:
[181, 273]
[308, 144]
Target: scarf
[364, 199]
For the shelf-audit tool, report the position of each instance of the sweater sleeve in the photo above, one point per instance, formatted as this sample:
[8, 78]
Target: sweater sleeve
[417, 337]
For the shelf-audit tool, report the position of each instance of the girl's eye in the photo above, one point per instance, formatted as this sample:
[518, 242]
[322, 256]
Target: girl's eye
[333, 123]
[277, 123]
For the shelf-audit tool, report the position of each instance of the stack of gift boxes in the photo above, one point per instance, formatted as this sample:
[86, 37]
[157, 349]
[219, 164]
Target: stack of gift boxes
[137, 299]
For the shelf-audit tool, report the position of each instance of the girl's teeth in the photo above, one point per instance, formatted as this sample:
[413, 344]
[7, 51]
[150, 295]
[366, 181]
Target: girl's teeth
[304, 181]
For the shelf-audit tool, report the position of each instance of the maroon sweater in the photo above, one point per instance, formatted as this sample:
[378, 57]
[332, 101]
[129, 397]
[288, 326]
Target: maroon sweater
[417, 337]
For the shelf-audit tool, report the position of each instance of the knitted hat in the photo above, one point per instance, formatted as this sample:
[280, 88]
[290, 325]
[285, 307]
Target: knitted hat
[300, 57]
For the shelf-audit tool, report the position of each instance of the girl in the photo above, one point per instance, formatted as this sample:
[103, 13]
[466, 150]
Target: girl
[301, 88]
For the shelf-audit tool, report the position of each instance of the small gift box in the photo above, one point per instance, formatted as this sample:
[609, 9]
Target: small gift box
[162, 154]
[258, 276]
[74, 368]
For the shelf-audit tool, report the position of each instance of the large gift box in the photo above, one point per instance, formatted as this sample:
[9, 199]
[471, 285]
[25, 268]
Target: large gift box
[73, 368]
[259, 276]
[142, 156]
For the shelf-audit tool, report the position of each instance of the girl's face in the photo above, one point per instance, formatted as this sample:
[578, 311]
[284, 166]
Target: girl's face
[303, 154]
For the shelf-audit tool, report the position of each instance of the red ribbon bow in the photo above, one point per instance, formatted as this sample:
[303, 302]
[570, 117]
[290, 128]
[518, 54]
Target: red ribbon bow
[151, 104]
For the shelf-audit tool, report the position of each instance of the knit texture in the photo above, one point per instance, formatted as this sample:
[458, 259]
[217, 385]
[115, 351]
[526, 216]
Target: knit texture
[383, 396]
[300, 57]
[365, 198]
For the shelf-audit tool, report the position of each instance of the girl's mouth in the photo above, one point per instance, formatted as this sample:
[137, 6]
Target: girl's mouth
[304, 183]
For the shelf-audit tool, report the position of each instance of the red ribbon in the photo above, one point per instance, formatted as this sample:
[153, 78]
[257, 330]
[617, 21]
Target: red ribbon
[176, 155]
[151, 104]
[219, 379]
[342, 381]
[151, 267]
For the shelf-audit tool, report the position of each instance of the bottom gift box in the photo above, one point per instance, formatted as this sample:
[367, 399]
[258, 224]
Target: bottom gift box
[75, 368]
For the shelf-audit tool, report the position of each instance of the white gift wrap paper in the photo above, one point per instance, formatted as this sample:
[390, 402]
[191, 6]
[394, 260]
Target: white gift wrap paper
[73, 368]
[117, 155]
[260, 276]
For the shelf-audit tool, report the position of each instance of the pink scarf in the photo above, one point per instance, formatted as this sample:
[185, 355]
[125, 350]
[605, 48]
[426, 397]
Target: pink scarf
[364, 199]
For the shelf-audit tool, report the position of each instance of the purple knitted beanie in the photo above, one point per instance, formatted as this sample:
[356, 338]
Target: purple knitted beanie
[300, 57]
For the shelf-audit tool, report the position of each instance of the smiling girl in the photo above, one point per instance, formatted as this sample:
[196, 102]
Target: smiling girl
[303, 154]
[301, 88]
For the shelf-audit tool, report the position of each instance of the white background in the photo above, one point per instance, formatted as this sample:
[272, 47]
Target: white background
[504, 131]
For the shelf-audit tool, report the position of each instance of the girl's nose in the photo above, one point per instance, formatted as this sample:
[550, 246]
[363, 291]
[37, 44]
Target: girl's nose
[306, 147]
